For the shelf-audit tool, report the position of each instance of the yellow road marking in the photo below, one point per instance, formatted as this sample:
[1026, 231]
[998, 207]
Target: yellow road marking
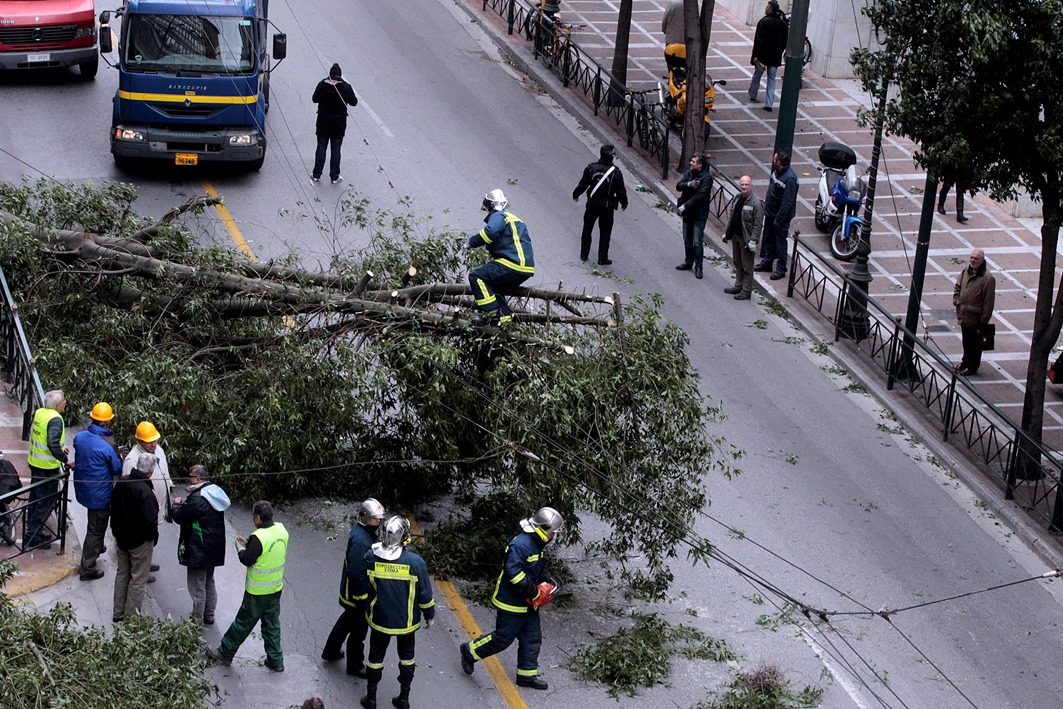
[227, 220]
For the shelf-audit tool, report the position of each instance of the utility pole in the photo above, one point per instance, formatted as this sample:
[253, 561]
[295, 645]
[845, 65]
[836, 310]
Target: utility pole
[905, 366]
[791, 85]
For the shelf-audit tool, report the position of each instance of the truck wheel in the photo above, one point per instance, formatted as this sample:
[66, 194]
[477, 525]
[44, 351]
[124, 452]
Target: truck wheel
[88, 69]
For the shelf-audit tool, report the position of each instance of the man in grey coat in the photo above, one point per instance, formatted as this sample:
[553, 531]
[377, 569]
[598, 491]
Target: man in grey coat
[743, 231]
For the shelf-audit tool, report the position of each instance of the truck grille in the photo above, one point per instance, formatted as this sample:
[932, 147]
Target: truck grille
[37, 36]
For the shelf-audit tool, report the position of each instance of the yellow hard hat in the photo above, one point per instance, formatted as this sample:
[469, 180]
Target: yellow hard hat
[102, 412]
[147, 432]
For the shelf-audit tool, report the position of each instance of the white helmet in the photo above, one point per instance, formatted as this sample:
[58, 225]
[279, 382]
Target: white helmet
[369, 509]
[546, 521]
[495, 201]
[396, 533]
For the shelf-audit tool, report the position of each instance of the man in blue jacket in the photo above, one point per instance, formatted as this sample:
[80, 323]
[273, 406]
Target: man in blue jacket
[695, 190]
[518, 596]
[399, 591]
[513, 261]
[96, 465]
[780, 205]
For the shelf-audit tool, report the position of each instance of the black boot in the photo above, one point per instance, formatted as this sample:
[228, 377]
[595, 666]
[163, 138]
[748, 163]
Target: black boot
[941, 207]
[403, 700]
[369, 700]
[960, 218]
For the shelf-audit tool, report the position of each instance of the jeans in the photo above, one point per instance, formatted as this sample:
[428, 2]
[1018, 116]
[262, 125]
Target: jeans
[406, 645]
[253, 609]
[754, 85]
[490, 282]
[604, 216]
[134, 568]
[319, 156]
[201, 588]
[525, 628]
[352, 627]
[773, 245]
[694, 241]
[41, 502]
[93, 546]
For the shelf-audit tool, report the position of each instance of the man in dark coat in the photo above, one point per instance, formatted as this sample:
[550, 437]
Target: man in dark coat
[973, 296]
[201, 546]
[695, 190]
[604, 185]
[332, 97]
[769, 43]
[780, 205]
[135, 524]
[96, 465]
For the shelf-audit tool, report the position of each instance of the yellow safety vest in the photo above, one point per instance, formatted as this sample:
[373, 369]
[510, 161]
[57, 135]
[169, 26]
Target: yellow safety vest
[40, 456]
[266, 576]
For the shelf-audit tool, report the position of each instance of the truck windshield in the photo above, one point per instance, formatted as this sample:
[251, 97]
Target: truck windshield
[177, 43]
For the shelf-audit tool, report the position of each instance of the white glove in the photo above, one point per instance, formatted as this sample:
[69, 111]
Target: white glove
[681, 209]
[752, 245]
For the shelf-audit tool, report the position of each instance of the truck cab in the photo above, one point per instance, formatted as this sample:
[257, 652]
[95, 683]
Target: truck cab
[193, 82]
[47, 34]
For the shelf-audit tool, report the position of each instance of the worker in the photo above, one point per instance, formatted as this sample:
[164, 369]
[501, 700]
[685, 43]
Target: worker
[513, 262]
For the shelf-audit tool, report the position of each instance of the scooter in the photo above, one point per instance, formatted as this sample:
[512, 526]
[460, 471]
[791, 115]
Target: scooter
[674, 101]
[836, 159]
[848, 196]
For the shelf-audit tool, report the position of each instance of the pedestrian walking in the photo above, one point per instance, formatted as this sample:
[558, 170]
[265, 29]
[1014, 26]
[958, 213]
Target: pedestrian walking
[48, 454]
[604, 184]
[201, 545]
[96, 466]
[769, 44]
[519, 593]
[743, 231]
[507, 241]
[973, 296]
[135, 525]
[780, 205]
[332, 96]
[695, 190]
[263, 554]
[147, 437]
[673, 27]
[946, 185]
[399, 591]
[352, 625]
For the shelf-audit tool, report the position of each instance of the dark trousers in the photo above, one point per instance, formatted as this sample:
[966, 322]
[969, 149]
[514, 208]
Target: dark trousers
[743, 259]
[603, 214]
[319, 157]
[352, 627]
[694, 241]
[773, 245]
[525, 628]
[972, 348]
[93, 544]
[490, 282]
[40, 505]
[374, 666]
[253, 609]
[945, 187]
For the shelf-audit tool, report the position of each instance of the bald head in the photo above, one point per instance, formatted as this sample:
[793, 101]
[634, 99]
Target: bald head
[745, 185]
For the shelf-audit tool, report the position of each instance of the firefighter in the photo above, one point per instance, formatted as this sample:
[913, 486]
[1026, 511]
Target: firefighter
[513, 262]
[519, 594]
[399, 593]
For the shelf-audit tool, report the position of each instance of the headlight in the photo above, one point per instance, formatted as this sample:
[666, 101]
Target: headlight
[85, 32]
[245, 139]
[127, 134]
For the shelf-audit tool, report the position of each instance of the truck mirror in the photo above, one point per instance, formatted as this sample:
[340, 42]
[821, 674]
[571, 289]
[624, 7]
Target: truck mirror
[280, 46]
[105, 17]
[105, 39]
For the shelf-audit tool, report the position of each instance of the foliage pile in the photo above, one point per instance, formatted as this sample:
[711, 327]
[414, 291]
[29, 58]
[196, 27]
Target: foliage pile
[641, 656]
[764, 688]
[47, 660]
[285, 391]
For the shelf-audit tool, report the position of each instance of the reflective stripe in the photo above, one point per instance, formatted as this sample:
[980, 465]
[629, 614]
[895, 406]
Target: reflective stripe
[518, 578]
[374, 665]
[484, 236]
[527, 673]
[411, 661]
[513, 221]
[267, 574]
[40, 456]
[510, 265]
[478, 643]
[486, 296]
[535, 557]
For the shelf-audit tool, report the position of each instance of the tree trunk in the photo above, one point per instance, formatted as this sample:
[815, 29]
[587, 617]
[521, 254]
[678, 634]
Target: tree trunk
[619, 70]
[698, 26]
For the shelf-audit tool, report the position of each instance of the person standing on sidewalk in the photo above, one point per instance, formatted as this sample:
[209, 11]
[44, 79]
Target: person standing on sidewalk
[780, 205]
[47, 456]
[973, 296]
[201, 546]
[399, 592]
[743, 231]
[263, 555]
[604, 184]
[946, 185]
[352, 625]
[135, 525]
[332, 96]
[769, 44]
[96, 465]
[161, 483]
[695, 190]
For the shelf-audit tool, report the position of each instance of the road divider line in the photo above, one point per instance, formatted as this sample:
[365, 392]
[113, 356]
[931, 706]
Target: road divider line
[227, 220]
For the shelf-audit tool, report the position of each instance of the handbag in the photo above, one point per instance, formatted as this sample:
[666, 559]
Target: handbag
[989, 334]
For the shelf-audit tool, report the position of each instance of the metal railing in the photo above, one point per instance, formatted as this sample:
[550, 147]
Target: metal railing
[24, 385]
[1026, 470]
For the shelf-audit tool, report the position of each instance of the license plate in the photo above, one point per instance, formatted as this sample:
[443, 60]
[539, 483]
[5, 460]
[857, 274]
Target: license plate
[186, 159]
[38, 57]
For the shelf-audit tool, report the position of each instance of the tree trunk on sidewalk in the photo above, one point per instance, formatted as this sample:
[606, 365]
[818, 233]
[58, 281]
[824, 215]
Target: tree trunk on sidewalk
[617, 85]
[698, 32]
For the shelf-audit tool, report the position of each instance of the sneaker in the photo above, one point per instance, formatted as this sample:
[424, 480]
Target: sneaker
[337, 180]
[743, 296]
[274, 666]
[92, 575]
[684, 267]
[533, 682]
[732, 290]
[315, 180]
[215, 654]
[468, 662]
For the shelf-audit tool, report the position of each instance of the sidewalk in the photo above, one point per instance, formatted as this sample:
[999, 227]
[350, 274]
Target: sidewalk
[742, 140]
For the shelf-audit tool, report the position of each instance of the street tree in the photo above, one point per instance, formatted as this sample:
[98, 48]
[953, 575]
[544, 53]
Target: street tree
[367, 377]
[975, 85]
[698, 25]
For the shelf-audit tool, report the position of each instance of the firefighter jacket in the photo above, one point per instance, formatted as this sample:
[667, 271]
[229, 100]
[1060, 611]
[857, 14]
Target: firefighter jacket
[507, 240]
[359, 541]
[399, 591]
[519, 578]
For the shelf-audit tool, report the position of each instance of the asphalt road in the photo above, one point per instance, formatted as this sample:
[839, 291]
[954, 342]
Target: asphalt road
[850, 512]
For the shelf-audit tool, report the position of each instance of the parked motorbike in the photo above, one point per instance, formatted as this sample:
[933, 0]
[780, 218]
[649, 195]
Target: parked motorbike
[836, 158]
[847, 196]
[674, 100]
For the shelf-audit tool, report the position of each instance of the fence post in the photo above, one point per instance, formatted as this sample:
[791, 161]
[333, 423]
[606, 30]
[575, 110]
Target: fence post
[891, 358]
[950, 405]
[664, 151]
[597, 89]
[509, 15]
[838, 310]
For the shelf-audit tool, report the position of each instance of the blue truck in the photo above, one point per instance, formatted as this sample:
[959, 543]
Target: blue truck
[193, 80]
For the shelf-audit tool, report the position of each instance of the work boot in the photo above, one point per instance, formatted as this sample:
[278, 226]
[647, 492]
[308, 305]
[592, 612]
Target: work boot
[468, 662]
[941, 207]
[368, 702]
[684, 266]
[960, 218]
[485, 320]
[403, 700]
[533, 682]
[358, 671]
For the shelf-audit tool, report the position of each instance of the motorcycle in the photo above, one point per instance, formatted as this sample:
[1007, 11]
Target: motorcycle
[847, 196]
[674, 101]
[836, 159]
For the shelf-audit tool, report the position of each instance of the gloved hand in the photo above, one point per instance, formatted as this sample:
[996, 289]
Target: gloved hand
[545, 594]
[752, 245]
[682, 208]
[427, 623]
[241, 543]
[726, 238]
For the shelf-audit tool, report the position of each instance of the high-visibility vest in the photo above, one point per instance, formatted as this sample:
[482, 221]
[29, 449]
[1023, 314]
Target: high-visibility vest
[266, 576]
[40, 456]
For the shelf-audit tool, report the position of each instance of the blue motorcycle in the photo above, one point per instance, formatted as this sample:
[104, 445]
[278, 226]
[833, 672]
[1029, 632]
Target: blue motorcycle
[847, 197]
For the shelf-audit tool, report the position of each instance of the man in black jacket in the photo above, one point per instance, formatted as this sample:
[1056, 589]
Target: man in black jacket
[201, 546]
[695, 191]
[769, 43]
[135, 525]
[332, 97]
[604, 185]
